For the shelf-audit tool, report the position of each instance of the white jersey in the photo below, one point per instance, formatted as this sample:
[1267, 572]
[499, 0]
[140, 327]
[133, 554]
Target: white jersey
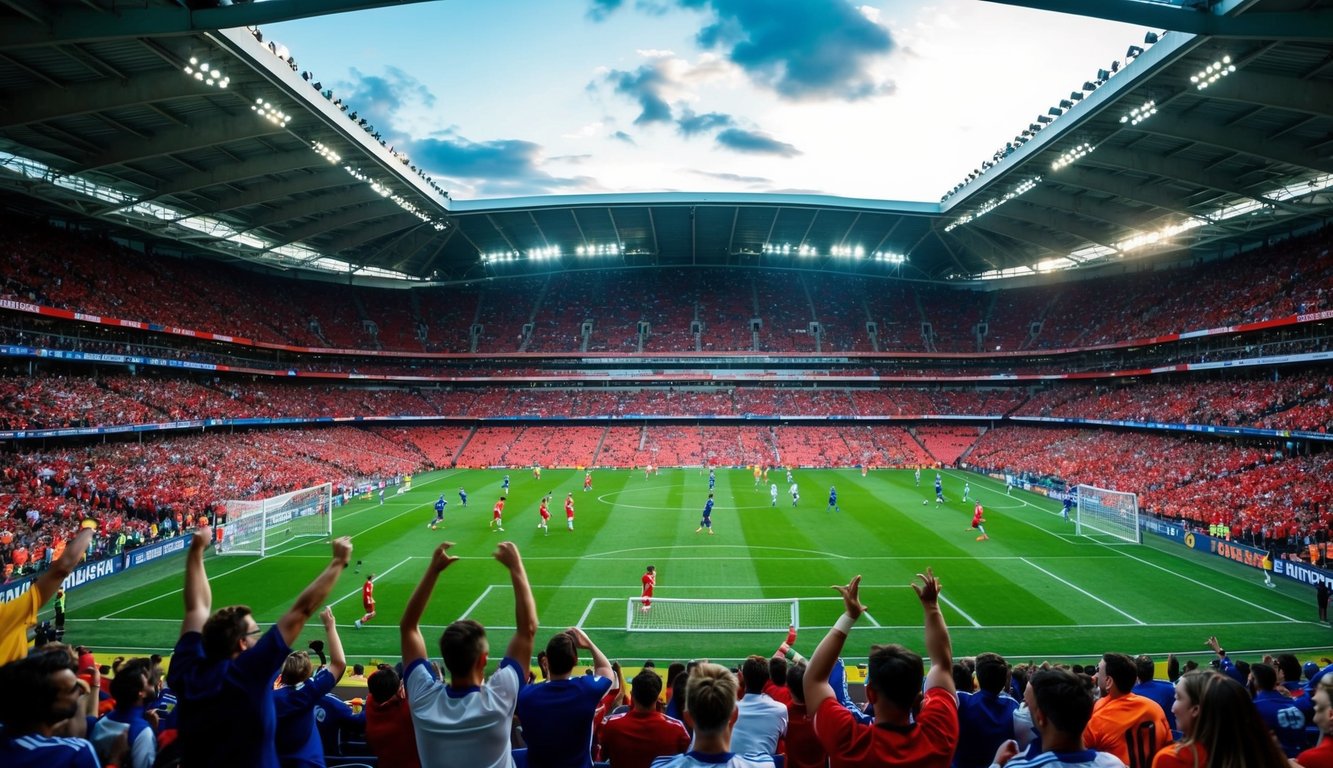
[470, 729]
[728, 760]
[794, 491]
[773, 491]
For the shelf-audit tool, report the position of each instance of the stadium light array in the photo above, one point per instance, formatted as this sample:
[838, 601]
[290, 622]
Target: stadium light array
[326, 153]
[889, 257]
[270, 112]
[993, 203]
[1212, 73]
[1140, 113]
[848, 251]
[544, 254]
[1071, 155]
[595, 249]
[206, 73]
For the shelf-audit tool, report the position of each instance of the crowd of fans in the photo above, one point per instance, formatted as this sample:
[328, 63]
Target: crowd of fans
[236, 694]
[547, 313]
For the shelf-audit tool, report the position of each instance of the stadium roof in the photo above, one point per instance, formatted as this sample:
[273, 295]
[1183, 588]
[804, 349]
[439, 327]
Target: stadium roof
[247, 159]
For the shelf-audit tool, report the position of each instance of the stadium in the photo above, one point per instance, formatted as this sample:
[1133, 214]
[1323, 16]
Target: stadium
[231, 302]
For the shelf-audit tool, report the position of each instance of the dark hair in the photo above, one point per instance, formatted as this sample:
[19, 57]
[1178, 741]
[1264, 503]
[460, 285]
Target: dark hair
[383, 684]
[130, 680]
[1120, 668]
[796, 679]
[223, 631]
[754, 671]
[358, 669]
[461, 644]
[1063, 698]
[895, 673]
[962, 676]
[1146, 669]
[777, 670]
[992, 672]
[1265, 676]
[646, 687]
[673, 669]
[31, 694]
[1290, 666]
[562, 653]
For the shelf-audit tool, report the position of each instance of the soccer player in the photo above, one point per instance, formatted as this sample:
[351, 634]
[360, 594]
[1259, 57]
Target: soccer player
[789, 476]
[496, 512]
[977, 521]
[367, 600]
[546, 516]
[917, 474]
[504, 486]
[833, 499]
[569, 510]
[712, 479]
[649, 581]
[536, 471]
[707, 521]
[381, 496]
[1064, 509]
[1008, 485]
[795, 494]
[462, 495]
[939, 490]
[967, 490]
[757, 473]
[440, 504]
[587, 483]
[773, 493]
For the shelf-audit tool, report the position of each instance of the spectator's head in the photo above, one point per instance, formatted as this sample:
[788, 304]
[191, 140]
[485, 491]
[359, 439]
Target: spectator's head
[562, 653]
[894, 676]
[297, 668]
[962, 677]
[383, 684]
[1059, 701]
[796, 679]
[358, 669]
[1116, 673]
[673, 669]
[1189, 692]
[777, 671]
[229, 632]
[1229, 724]
[1289, 666]
[710, 699]
[755, 673]
[992, 672]
[1145, 668]
[463, 647]
[133, 684]
[647, 686]
[1323, 706]
[1263, 676]
[42, 691]
[1310, 669]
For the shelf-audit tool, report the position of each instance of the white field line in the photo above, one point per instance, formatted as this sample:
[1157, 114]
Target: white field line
[960, 611]
[1083, 591]
[587, 611]
[477, 602]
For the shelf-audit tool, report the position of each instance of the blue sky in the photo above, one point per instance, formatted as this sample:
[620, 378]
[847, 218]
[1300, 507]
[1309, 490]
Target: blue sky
[895, 99]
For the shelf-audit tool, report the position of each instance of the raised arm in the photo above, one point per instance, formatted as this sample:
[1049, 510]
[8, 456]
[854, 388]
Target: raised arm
[938, 646]
[198, 594]
[816, 685]
[337, 661]
[50, 580]
[409, 629]
[600, 664]
[313, 596]
[525, 608]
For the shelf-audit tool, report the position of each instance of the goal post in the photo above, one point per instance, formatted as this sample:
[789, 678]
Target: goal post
[253, 527]
[1113, 513]
[669, 614]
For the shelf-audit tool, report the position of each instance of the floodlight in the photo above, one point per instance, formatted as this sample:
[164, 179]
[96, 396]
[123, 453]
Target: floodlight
[1044, 119]
[1066, 104]
[1134, 52]
[1076, 95]
[1103, 76]
[1150, 38]
[1055, 111]
[1088, 85]
[1115, 66]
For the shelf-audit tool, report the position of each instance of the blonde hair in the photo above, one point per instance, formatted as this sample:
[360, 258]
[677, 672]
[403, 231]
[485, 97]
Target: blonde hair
[297, 668]
[710, 697]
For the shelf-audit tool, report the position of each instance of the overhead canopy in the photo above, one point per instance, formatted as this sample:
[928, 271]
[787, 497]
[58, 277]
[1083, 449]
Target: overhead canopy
[99, 117]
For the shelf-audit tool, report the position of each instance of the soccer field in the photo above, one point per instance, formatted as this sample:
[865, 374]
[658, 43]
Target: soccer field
[1033, 591]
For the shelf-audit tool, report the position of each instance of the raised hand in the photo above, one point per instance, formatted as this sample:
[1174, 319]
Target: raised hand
[507, 554]
[850, 599]
[342, 549]
[929, 588]
[441, 559]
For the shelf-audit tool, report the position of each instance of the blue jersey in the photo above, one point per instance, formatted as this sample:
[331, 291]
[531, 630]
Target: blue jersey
[439, 507]
[939, 486]
[708, 509]
[463, 495]
[1286, 718]
[832, 496]
[40, 751]
[505, 483]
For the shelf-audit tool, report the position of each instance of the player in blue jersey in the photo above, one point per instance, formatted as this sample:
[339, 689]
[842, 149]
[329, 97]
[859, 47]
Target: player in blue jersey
[440, 504]
[1069, 502]
[462, 494]
[707, 521]
[712, 479]
[504, 486]
[833, 500]
[939, 490]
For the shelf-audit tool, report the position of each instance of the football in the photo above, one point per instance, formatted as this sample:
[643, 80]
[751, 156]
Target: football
[923, 502]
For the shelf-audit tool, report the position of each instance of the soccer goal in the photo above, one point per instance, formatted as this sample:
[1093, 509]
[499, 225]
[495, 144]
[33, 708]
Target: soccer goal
[1114, 513]
[669, 614]
[254, 527]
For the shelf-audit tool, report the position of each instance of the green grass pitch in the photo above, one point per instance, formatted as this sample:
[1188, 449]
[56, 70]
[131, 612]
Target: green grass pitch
[1033, 591]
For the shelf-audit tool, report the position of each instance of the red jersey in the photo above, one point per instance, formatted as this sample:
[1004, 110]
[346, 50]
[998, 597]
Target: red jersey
[499, 507]
[649, 581]
[976, 517]
[569, 507]
[544, 513]
[587, 481]
[368, 594]
[929, 745]
[803, 747]
[779, 693]
[390, 734]
[634, 739]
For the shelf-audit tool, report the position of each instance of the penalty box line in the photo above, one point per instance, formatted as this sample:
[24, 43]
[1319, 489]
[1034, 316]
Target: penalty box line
[593, 602]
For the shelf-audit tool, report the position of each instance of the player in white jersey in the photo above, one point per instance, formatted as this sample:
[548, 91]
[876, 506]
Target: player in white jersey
[795, 494]
[773, 493]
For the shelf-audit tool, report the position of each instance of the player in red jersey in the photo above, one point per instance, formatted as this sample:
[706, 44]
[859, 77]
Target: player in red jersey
[569, 509]
[496, 522]
[546, 516]
[649, 581]
[977, 521]
[587, 481]
[367, 600]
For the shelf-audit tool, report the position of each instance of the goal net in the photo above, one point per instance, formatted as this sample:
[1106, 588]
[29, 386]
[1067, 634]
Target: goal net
[256, 526]
[664, 614]
[1114, 513]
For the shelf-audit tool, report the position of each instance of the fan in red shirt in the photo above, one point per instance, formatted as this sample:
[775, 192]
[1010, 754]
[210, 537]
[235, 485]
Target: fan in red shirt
[635, 738]
[389, 730]
[496, 523]
[367, 600]
[649, 581]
